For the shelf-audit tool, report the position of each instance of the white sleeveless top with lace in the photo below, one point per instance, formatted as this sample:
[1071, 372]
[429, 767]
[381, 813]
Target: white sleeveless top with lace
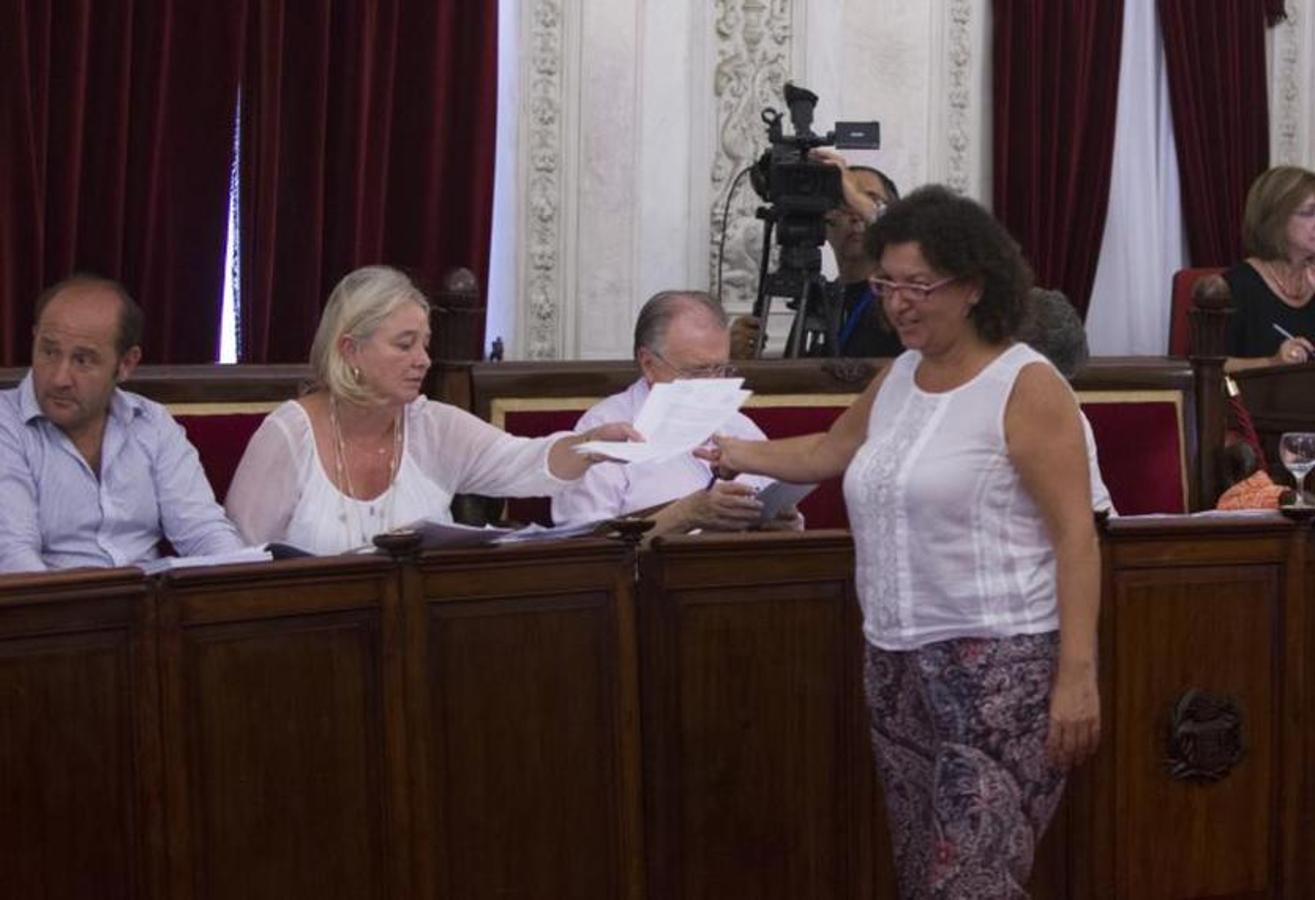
[948, 544]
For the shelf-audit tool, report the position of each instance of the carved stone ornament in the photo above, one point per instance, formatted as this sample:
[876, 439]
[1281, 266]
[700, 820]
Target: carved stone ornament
[752, 39]
[961, 94]
[1205, 737]
[1288, 91]
[541, 261]
[850, 371]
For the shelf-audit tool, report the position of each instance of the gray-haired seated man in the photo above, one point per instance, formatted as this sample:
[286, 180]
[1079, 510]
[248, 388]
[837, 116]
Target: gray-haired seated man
[679, 334]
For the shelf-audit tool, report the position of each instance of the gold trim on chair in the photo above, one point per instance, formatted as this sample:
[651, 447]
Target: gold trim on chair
[500, 406]
[804, 401]
[222, 409]
[1151, 396]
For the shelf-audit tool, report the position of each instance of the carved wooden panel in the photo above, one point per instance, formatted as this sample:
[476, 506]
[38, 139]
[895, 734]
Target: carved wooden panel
[79, 749]
[527, 751]
[278, 731]
[757, 756]
[1203, 614]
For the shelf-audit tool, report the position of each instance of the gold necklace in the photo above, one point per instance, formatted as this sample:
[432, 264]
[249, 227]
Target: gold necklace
[347, 491]
[1298, 295]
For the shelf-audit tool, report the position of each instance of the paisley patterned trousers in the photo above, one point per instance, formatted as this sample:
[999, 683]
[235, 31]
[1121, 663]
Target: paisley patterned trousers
[958, 730]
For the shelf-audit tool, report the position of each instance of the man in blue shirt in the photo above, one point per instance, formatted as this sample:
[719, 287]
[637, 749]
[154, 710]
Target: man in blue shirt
[91, 475]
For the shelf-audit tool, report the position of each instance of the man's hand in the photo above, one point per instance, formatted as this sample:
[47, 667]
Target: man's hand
[726, 506]
[857, 200]
[745, 332]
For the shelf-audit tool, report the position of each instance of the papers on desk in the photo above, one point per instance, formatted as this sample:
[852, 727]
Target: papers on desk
[433, 536]
[436, 535]
[676, 418]
[1203, 514]
[535, 532]
[450, 536]
[169, 563]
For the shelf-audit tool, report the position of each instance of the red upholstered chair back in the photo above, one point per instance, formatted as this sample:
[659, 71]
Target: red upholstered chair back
[778, 416]
[220, 433]
[824, 507]
[1179, 332]
[1139, 442]
[1140, 447]
[536, 419]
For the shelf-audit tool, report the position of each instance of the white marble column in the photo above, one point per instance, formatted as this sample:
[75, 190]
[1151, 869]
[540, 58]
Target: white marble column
[1291, 94]
[635, 115]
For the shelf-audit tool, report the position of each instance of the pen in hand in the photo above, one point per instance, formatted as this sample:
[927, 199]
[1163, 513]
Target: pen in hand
[1304, 354]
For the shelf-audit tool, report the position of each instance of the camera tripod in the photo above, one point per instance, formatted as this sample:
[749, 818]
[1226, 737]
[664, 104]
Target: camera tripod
[799, 280]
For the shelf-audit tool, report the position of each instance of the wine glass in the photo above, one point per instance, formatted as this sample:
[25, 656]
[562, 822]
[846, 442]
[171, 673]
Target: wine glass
[1297, 451]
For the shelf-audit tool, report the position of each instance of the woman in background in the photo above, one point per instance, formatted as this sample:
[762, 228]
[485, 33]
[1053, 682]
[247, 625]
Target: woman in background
[977, 566]
[364, 452]
[1273, 321]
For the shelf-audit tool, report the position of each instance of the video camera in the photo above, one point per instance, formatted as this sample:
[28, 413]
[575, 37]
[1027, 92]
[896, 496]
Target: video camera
[799, 191]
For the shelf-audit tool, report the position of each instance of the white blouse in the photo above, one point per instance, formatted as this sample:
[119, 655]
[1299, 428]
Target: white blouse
[948, 543]
[282, 492]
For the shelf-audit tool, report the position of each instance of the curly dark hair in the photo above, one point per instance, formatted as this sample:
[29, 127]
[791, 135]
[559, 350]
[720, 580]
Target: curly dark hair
[959, 238]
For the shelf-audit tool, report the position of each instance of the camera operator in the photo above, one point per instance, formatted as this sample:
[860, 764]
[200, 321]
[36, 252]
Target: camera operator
[860, 330]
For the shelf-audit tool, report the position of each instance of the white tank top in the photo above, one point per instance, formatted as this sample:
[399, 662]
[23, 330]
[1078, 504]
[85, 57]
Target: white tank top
[947, 542]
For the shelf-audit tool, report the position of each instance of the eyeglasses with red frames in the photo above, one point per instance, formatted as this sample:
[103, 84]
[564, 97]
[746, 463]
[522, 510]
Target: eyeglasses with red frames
[884, 289]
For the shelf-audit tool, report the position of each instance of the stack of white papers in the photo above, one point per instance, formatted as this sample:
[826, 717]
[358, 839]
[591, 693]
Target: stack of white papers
[676, 418]
[1205, 514]
[436, 535]
[169, 563]
[536, 532]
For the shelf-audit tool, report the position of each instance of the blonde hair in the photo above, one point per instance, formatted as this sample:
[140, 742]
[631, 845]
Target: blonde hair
[358, 305]
[1273, 198]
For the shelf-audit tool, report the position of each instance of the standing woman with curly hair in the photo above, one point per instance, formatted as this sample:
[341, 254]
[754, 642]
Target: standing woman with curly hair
[977, 565]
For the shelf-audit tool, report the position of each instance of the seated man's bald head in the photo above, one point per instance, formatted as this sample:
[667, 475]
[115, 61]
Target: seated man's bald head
[86, 285]
[682, 334]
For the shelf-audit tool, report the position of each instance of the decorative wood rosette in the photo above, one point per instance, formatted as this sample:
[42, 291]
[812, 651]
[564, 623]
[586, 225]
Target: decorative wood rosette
[1205, 737]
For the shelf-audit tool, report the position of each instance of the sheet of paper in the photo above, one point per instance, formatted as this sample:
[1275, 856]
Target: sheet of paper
[448, 535]
[779, 495]
[1205, 514]
[677, 417]
[536, 532]
[169, 563]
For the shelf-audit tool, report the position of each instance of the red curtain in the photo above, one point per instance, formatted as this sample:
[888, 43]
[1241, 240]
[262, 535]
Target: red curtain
[368, 132]
[1056, 84]
[1215, 56]
[117, 141]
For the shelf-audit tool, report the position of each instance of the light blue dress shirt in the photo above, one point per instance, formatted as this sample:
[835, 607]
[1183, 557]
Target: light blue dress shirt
[56, 514]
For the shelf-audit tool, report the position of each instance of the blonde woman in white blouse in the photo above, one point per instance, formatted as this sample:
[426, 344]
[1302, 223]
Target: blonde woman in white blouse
[364, 452]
